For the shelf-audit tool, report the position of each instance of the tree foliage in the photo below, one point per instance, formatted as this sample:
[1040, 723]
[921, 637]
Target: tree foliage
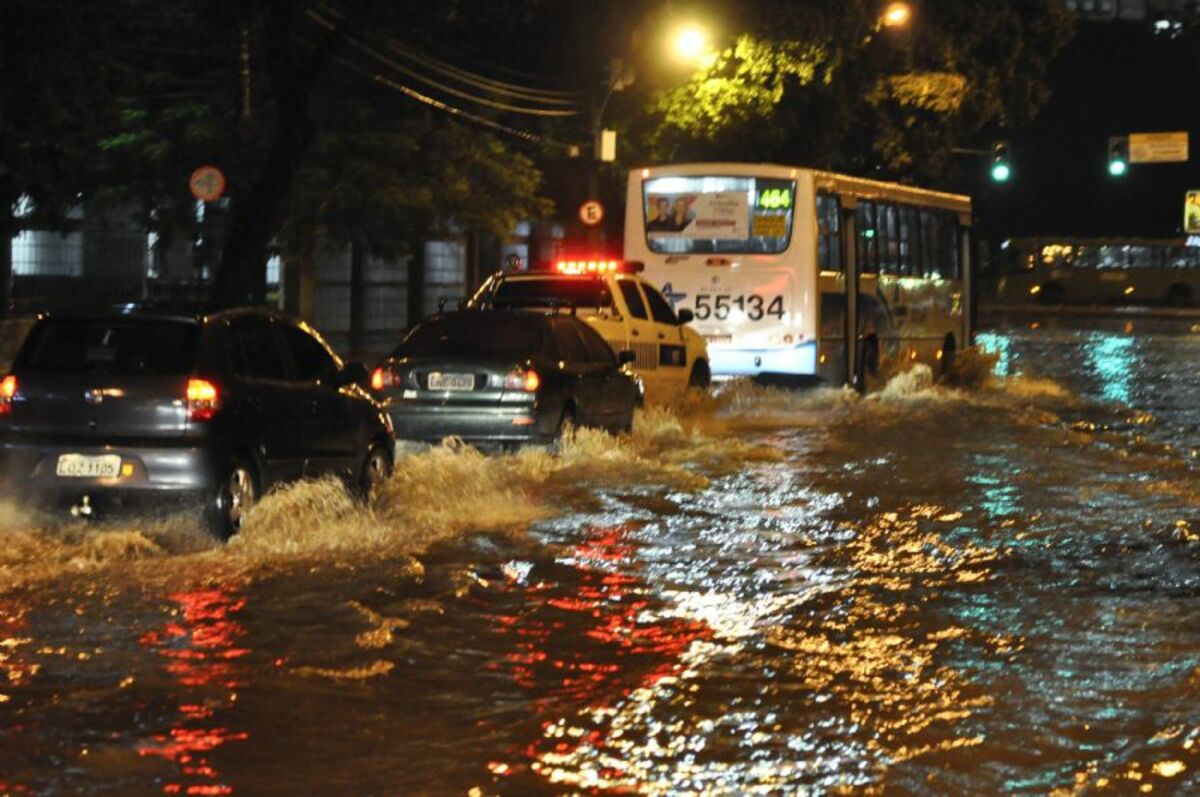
[830, 86]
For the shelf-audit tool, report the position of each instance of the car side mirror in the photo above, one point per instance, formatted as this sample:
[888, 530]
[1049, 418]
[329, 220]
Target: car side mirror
[626, 356]
[685, 316]
[353, 374]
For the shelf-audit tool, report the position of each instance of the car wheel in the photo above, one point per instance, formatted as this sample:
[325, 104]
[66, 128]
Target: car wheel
[701, 375]
[376, 469]
[235, 495]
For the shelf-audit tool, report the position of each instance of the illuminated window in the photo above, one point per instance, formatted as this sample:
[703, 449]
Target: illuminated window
[44, 253]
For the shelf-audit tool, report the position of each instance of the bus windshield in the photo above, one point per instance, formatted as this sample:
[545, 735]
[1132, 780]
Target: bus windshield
[714, 214]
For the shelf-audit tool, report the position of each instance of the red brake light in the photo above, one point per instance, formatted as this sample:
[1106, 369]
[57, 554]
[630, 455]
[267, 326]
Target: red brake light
[203, 400]
[8, 389]
[527, 380]
[384, 378]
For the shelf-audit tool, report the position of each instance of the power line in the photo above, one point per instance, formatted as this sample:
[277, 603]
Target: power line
[483, 82]
[451, 110]
[502, 106]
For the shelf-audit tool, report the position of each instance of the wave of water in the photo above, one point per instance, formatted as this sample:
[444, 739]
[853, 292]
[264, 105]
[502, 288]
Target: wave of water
[449, 489]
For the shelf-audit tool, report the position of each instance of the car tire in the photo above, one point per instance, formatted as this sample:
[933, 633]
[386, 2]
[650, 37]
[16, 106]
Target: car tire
[376, 468]
[701, 376]
[235, 494]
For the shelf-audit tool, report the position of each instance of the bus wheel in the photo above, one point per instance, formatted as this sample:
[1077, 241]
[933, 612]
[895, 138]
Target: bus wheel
[701, 377]
[868, 364]
[1052, 293]
[949, 350]
[1179, 295]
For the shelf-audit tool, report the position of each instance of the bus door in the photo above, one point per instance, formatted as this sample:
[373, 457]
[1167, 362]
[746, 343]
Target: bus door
[866, 314]
[833, 243]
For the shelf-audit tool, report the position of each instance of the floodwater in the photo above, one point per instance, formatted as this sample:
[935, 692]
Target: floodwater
[991, 588]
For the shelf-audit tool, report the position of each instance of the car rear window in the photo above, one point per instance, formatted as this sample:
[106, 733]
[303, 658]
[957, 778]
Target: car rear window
[551, 292]
[119, 347]
[475, 335]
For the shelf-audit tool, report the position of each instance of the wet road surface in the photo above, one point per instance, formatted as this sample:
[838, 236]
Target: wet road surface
[985, 589]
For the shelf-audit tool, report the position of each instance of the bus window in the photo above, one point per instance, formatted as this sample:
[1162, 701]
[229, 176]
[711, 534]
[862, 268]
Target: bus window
[889, 240]
[906, 219]
[1144, 257]
[829, 229]
[931, 242]
[950, 246]
[716, 214]
[868, 243]
[1111, 257]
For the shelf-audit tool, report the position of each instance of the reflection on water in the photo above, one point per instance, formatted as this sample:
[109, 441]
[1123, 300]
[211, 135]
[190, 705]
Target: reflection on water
[1114, 358]
[984, 589]
[201, 647]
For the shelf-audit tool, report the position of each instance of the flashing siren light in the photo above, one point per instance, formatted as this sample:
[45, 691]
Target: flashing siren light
[1001, 162]
[1118, 155]
[203, 400]
[8, 389]
[599, 267]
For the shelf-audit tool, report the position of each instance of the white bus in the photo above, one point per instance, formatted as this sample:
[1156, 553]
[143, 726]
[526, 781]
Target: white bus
[780, 263]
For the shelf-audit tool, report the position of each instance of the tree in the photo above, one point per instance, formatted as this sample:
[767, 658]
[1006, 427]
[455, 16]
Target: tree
[827, 85]
[53, 93]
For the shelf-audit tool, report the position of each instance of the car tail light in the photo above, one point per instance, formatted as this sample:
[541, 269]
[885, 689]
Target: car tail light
[384, 379]
[8, 390]
[203, 400]
[523, 379]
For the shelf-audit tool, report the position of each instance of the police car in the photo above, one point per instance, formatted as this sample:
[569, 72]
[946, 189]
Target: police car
[628, 312]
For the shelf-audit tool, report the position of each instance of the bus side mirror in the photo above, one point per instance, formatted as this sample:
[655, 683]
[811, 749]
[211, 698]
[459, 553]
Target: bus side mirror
[626, 356]
[685, 316]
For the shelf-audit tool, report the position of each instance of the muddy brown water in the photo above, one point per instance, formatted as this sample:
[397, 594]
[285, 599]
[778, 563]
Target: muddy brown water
[979, 590]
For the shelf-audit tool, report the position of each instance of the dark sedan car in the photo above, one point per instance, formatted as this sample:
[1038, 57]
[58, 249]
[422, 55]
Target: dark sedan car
[108, 407]
[504, 378]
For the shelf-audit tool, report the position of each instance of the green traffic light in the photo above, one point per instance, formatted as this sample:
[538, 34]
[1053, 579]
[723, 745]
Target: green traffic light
[1117, 168]
[1001, 172]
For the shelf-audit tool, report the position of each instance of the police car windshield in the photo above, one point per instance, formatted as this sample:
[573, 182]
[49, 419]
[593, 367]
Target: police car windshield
[552, 292]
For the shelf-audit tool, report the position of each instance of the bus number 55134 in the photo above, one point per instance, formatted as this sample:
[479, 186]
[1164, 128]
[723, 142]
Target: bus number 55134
[754, 306]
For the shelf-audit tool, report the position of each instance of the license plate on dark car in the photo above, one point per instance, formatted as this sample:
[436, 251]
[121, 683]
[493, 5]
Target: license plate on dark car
[441, 381]
[77, 466]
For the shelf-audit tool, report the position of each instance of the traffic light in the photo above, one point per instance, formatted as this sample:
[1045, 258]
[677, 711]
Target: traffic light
[1118, 155]
[1001, 164]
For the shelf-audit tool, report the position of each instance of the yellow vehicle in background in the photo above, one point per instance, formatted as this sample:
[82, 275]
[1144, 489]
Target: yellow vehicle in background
[628, 312]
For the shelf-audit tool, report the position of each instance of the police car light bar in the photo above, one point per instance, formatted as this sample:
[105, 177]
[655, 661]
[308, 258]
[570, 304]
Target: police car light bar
[598, 267]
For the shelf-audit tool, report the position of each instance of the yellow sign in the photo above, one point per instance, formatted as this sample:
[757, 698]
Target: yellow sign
[1191, 213]
[768, 225]
[1158, 147]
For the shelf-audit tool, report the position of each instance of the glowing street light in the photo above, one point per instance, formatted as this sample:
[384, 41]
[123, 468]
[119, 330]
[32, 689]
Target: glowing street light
[690, 43]
[896, 15]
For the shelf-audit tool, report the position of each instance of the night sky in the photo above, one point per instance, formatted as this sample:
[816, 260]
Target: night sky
[1114, 78]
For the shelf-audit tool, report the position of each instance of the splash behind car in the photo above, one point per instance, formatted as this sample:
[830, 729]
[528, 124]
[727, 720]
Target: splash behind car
[497, 378]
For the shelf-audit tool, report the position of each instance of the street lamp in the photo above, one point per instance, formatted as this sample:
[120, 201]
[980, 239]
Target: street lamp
[896, 15]
[690, 42]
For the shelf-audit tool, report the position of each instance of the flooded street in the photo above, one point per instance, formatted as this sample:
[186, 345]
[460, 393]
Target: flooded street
[979, 590]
